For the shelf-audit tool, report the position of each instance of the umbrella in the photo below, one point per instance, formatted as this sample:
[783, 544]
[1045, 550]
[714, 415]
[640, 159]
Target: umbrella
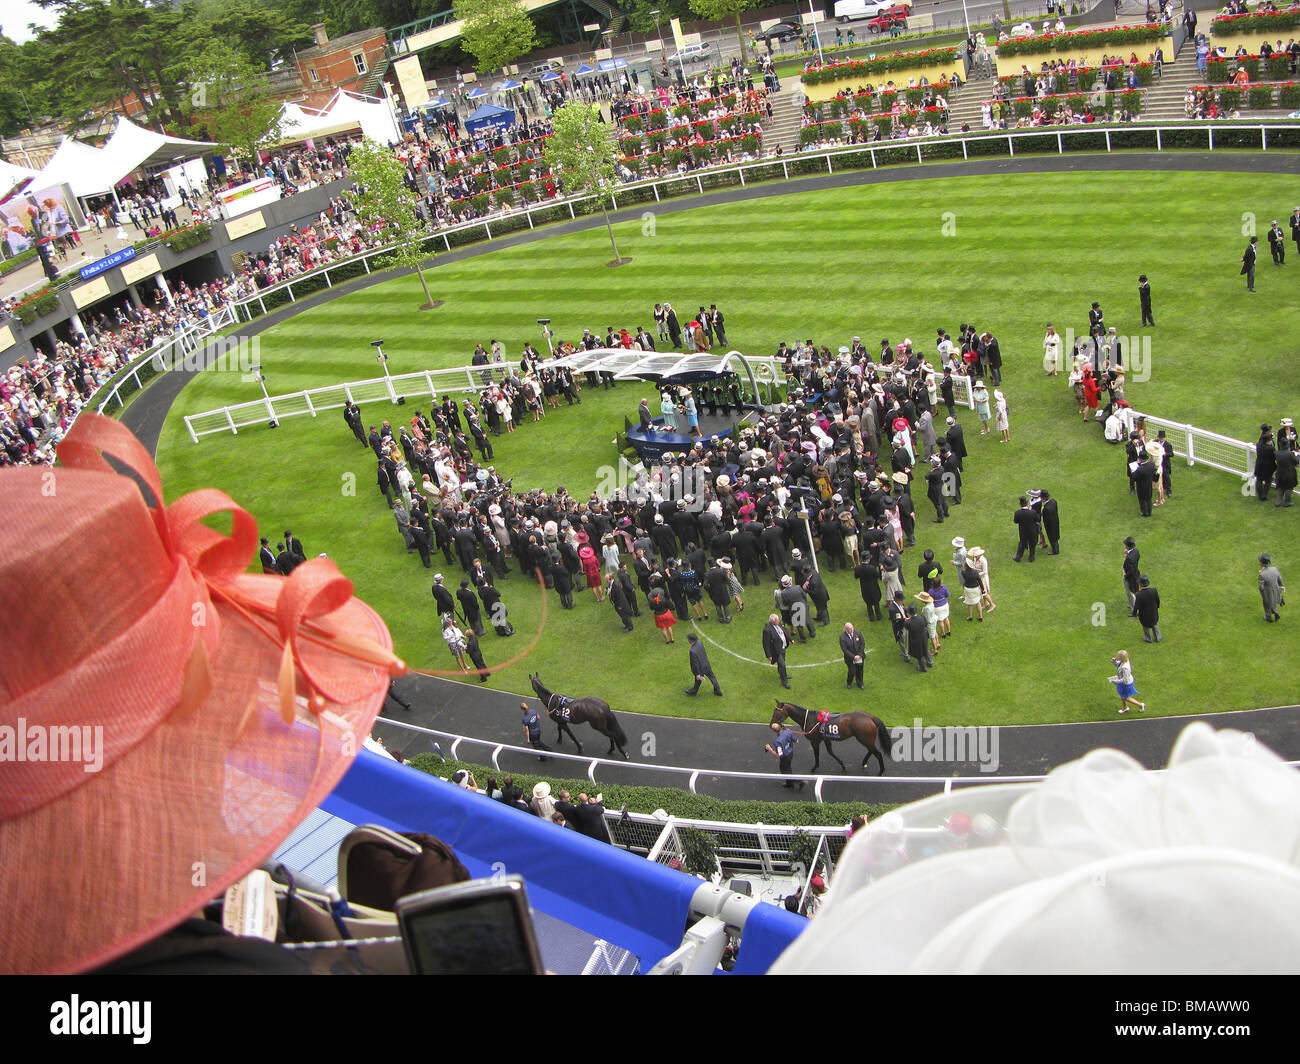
[476, 93]
[549, 76]
[510, 86]
[584, 69]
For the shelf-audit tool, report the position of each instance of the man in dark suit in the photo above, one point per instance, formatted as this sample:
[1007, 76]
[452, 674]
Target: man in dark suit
[619, 600]
[918, 642]
[443, 600]
[775, 642]
[588, 816]
[295, 546]
[1146, 605]
[376, 444]
[934, 489]
[1286, 476]
[1051, 523]
[706, 323]
[1096, 322]
[284, 561]
[352, 415]
[1144, 479]
[1248, 262]
[674, 326]
[469, 607]
[854, 648]
[1131, 574]
[643, 415]
[1265, 462]
[563, 580]
[715, 317]
[1027, 522]
[1144, 294]
[267, 557]
[956, 442]
[700, 667]
[1277, 244]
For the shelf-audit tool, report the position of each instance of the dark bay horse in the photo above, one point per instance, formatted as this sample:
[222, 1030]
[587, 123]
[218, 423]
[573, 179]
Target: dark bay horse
[565, 711]
[868, 730]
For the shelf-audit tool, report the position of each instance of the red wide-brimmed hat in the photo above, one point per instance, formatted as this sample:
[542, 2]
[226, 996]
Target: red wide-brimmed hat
[168, 718]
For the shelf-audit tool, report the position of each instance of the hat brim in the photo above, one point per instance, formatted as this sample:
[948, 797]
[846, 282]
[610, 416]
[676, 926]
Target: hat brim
[202, 800]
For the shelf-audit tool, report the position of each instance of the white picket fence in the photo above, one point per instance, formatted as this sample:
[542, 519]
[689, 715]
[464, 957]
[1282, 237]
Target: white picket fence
[1204, 447]
[166, 355]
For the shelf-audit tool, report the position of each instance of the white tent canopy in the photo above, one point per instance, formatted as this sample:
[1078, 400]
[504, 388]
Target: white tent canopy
[132, 147]
[346, 111]
[12, 174]
[80, 167]
[93, 171]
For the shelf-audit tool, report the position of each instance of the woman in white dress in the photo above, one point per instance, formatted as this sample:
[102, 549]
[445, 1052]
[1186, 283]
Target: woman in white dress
[977, 560]
[1051, 352]
[1002, 420]
[1156, 452]
[455, 642]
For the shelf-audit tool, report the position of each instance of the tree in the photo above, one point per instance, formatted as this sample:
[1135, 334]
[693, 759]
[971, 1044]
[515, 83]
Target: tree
[581, 152]
[640, 19]
[232, 101]
[496, 32]
[381, 198]
[717, 10]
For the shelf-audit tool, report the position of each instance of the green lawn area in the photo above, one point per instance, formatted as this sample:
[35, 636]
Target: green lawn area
[873, 261]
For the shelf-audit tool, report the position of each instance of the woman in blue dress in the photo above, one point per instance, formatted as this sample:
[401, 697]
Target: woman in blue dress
[1124, 685]
[692, 415]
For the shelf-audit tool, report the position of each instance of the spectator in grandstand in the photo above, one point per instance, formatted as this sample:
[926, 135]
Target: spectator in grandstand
[587, 816]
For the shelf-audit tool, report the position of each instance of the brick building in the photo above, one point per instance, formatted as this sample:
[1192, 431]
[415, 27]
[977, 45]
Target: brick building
[344, 63]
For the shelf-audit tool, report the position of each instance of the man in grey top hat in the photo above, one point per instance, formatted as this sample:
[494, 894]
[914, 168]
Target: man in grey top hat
[1270, 588]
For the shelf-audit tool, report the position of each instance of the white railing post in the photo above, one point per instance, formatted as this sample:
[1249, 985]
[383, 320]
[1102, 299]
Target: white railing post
[1210, 130]
[1188, 432]
[1060, 145]
[571, 214]
[1011, 146]
[229, 421]
[785, 170]
[655, 185]
[428, 379]
[306, 396]
[966, 155]
[190, 427]
[1159, 147]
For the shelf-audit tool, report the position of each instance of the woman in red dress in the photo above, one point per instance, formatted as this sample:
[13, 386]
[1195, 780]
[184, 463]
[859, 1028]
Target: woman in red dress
[662, 606]
[1089, 394]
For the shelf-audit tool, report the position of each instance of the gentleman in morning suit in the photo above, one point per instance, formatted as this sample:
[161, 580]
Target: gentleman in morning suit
[267, 557]
[1144, 294]
[1270, 588]
[700, 667]
[1131, 574]
[775, 642]
[1146, 604]
[1144, 479]
[1051, 523]
[854, 648]
[1248, 263]
[1027, 522]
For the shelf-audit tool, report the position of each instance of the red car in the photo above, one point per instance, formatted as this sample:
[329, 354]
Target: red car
[889, 18]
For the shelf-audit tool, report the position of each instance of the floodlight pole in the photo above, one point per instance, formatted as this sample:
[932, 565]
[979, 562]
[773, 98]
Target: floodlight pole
[382, 359]
[821, 59]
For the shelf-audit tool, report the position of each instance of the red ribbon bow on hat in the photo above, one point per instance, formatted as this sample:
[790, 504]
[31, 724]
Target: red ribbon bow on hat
[218, 563]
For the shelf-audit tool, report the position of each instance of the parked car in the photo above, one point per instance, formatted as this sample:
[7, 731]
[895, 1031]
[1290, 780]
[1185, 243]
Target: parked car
[889, 18]
[541, 68]
[849, 10]
[693, 53]
[782, 31]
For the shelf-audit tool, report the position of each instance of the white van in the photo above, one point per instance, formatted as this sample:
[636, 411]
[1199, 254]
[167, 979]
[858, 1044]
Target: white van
[849, 10]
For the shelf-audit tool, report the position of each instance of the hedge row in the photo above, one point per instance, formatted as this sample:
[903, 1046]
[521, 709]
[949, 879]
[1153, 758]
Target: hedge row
[1080, 39]
[750, 142]
[184, 239]
[37, 306]
[657, 117]
[671, 800]
[1278, 22]
[17, 262]
[1277, 67]
[861, 68]
[1257, 97]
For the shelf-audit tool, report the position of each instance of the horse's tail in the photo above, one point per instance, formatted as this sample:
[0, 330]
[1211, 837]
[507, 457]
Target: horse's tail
[615, 728]
[883, 736]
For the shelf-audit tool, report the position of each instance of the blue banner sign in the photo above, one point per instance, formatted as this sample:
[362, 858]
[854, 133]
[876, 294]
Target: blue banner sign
[107, 263]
